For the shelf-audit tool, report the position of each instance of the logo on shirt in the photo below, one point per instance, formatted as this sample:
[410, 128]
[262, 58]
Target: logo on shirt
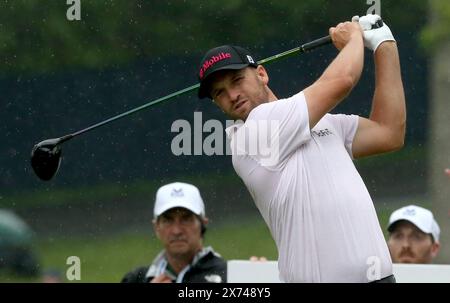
[322, 132]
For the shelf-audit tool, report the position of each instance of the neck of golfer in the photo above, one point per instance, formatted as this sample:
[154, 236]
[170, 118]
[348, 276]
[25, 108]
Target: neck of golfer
[270, 97]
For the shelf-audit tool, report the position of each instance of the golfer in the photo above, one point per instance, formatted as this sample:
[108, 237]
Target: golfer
[310, 194]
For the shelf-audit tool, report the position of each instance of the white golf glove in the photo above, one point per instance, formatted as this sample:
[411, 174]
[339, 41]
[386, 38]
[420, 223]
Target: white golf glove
[373, 37]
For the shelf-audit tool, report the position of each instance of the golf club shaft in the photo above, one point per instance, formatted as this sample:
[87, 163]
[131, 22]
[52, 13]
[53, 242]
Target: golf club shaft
[144, 106]
[305, 47]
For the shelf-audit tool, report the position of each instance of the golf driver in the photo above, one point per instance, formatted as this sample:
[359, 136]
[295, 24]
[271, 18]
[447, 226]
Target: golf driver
[46, 155]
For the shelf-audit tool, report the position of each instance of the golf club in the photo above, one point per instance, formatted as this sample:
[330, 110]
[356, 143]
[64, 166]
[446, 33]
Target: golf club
[46, 155]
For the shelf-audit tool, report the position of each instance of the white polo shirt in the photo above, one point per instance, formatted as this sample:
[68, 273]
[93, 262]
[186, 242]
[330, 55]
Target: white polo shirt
[310, 194]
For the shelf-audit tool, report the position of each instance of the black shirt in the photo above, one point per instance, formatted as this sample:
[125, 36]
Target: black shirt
[207, 267]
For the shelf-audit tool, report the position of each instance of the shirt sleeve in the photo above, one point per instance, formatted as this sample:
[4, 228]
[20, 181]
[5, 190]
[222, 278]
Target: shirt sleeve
[285, 123]
[346, 126]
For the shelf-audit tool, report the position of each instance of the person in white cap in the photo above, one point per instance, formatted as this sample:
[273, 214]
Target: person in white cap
[413, 235]
[180, 223]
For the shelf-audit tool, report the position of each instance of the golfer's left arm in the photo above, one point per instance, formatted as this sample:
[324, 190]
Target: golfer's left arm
[384, 131]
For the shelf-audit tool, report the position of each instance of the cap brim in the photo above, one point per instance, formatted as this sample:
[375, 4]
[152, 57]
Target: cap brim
[416, 224]
[176, 204]
[203, 89]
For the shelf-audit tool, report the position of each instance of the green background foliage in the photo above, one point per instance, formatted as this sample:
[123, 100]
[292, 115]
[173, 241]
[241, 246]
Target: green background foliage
[438, 29]
[36, 36]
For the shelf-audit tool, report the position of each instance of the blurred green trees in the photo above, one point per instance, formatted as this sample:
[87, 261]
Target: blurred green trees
[35, 35]
[436, 39]
[438, 29]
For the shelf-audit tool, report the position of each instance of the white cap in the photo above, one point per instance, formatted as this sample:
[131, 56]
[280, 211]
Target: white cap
[178, 195]
[419, 216]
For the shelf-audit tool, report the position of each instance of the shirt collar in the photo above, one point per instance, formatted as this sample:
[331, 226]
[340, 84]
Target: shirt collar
[231, 130]
[160, 265]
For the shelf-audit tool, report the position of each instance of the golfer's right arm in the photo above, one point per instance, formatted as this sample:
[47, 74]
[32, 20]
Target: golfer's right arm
[341, 75]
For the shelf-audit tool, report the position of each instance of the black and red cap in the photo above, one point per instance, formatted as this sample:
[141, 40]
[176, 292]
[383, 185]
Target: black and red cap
[220, 58]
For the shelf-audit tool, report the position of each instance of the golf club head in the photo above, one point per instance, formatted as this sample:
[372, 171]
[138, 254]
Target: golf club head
[46, 158]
